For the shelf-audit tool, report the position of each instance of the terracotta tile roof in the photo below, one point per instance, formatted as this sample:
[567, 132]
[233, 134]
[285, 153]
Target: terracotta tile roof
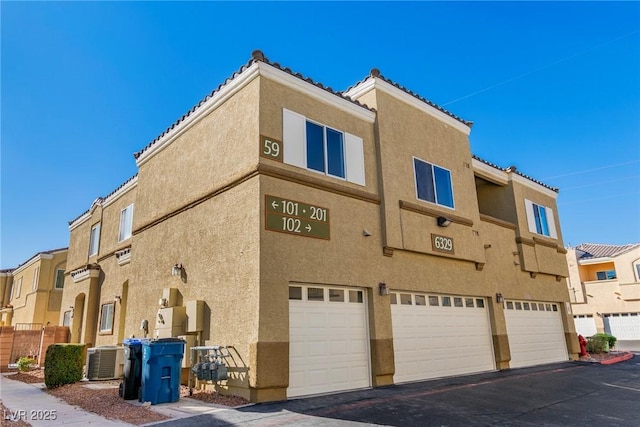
[595, 250]
[513, 169]
[256, 56]
[376, 73]
[101, 199]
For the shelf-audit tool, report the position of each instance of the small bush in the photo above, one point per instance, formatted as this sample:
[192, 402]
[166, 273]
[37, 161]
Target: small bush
[610, 339]
[26, 364]
[597, 344]
[63, 364]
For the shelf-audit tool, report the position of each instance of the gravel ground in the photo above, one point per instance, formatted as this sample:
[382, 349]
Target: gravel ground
[107, 403]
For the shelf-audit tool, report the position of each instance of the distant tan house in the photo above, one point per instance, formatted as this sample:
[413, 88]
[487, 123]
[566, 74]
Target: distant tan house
[604, 286]
[32, 292]
[336, 240]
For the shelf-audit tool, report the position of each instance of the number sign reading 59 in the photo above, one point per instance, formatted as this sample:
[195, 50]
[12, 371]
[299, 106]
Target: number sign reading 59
[442, 244]
[271, 148]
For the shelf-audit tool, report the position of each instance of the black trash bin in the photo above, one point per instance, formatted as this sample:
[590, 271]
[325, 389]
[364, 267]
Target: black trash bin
[130, 386]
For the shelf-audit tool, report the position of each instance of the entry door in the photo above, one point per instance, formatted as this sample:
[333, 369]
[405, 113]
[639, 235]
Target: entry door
[328, 340]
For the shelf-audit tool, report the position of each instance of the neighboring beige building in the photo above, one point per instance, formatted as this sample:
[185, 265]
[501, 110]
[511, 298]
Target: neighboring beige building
[335, 240]
[604, 286]
[32, 292]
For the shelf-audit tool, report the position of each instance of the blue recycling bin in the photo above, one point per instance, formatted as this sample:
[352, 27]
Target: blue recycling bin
[161, 366]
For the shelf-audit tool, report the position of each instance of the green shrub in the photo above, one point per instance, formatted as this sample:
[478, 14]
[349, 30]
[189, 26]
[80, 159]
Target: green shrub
[26, 364]
[63, 364]
[610, 339]
[597, 344]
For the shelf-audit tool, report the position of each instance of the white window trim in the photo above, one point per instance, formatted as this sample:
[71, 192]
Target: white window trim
[102, 313]
[97, 240]
[125, 230]
[531, 219]
[36, 274]
[55, 283]
[433, 182]
[294, 135]
[17, 289]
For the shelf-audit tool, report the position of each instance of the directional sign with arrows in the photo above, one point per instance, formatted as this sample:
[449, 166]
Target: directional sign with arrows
[292, 217]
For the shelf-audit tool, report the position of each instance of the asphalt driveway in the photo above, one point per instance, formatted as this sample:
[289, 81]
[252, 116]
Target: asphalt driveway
[561, 394]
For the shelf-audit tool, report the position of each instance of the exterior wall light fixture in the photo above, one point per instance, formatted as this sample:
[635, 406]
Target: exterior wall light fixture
[176, 270]
[499, 298]
[382, 287]
[443, 222]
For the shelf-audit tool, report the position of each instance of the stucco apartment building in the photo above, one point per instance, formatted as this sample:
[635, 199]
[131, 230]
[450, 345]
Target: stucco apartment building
[32, 292]
[604, 287]
[335, 240]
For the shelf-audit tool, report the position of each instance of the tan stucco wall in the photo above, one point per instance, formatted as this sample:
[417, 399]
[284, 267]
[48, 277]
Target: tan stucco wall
[606, 296]
[42, 304]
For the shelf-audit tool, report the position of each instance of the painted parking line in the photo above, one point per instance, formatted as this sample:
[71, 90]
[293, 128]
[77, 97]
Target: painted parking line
[623, 387]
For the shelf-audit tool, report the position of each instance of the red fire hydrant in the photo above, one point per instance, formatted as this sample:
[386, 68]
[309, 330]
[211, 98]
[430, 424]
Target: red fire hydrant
[583, 345]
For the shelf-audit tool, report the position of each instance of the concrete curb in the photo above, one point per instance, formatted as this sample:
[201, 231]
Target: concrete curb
[625, 356]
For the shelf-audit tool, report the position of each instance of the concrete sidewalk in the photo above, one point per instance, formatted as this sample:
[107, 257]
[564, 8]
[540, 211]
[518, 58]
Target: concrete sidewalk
[21, 399]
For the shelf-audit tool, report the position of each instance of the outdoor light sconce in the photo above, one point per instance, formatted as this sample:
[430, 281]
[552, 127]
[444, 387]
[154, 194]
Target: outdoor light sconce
[176, 270]
[443, 222]
[118, 298]
[499, 298]
[382, 287]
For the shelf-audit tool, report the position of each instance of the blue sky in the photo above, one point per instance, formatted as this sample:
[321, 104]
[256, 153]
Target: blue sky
[553, 88]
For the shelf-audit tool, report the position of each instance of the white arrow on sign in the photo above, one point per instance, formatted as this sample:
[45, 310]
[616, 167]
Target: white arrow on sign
[274, 205]
[308, 227]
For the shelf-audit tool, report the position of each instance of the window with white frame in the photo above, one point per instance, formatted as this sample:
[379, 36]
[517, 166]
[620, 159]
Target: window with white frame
[636, 267]
[59, 279]
[106, 318]
[66, 318]
[16, 289]
[606, 275]
[540, 219]
[433, 183]
[94, 239]
[126, 222]
[36, 273]
[315, 146]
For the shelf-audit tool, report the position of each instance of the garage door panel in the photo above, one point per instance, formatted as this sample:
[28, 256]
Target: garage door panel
[585, 325]
[623, 326]
[328, 343]
[434, 341]
[535, 337]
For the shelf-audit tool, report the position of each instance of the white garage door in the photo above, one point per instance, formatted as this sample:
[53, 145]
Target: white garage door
[328, 340]
[536, 334]
[623, 326]
[439, 335]
[585, 325]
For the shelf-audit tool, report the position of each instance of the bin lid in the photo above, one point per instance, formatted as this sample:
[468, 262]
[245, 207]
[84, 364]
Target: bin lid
[131, 341]
[159, 341]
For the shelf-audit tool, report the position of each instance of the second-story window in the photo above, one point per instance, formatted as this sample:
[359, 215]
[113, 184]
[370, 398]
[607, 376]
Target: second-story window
[16, 289]
[320, 148]
[433, 183]
[540, 219]
[36, 273]
[59, 279]
[606, 275]
[94, 240]
[126, 222]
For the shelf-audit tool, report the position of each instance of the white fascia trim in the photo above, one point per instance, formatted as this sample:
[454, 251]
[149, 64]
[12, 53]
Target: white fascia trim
[533, 185]
[375, 83]
[120, 192]
[314, 91]
[211, 104]
[32, 261]
[600, 260]
[239, 82]
[83, 218]
[495, 175]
